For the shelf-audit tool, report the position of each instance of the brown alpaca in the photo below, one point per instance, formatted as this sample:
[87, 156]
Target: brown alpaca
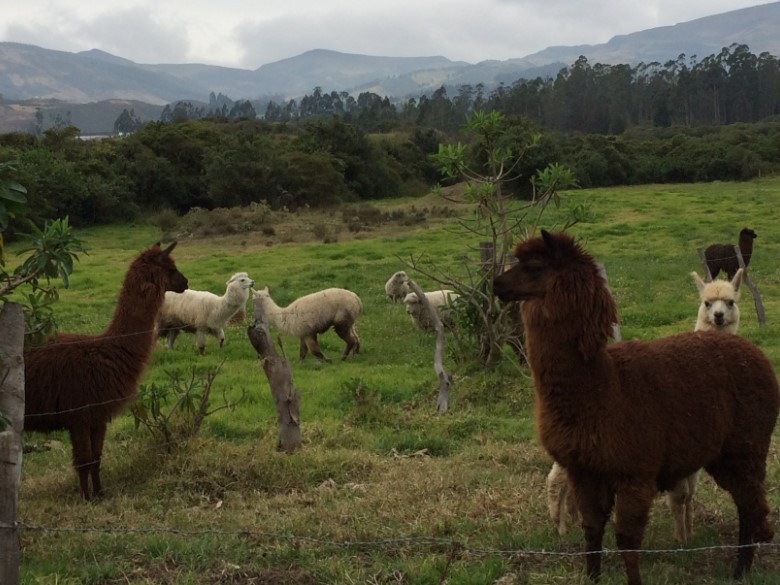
[80, 382]
[634, 417]
[722, 256]
[718, 311]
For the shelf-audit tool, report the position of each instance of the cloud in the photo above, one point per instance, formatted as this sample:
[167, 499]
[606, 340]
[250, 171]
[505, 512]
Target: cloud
[132, 34]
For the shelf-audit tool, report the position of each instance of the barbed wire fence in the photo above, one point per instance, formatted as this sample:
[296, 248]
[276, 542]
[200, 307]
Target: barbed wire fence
[11, 526]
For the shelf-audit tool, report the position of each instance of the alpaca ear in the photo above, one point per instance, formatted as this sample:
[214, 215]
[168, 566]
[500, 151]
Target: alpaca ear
[170, 248]
[737, 280]
[700, 284]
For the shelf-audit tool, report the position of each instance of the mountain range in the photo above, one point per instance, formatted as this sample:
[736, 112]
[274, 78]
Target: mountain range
[32, 74]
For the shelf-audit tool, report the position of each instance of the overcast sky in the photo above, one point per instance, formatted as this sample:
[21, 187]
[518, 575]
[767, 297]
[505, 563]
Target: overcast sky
[246, 34]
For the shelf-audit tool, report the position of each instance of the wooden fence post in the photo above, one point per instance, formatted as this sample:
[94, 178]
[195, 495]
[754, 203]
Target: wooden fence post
[445, 378]
[279, 374]
[12, 411]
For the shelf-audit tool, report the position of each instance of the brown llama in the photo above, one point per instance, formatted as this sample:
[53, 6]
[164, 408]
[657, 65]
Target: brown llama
[80, 382]
[634, 417]
[722, 256]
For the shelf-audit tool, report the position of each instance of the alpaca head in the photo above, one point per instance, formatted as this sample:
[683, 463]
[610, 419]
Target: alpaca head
[560, 281]
[746, 237]
[261, 294]
[718, 308]
[160, 269]
[241, 281]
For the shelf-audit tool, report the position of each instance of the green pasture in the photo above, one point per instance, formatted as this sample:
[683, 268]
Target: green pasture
[383, 490]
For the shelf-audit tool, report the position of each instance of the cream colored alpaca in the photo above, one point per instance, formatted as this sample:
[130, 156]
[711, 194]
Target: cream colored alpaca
[718, 310]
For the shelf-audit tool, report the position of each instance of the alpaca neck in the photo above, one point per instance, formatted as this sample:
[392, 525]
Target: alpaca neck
[135, 314]
[273, 312]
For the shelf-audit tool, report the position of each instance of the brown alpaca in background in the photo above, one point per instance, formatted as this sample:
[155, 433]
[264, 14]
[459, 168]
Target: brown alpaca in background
[634, 417]
[80, 382]
[722, 256]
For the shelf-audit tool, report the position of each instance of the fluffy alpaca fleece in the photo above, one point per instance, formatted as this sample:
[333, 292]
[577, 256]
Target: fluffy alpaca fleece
[439, 299]
[722, 256]
[80, 382]
[315, 313]
[397, 286]
[718, 310]
[202, 312]
[631, 418]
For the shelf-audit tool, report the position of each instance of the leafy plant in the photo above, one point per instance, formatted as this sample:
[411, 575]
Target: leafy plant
[499, 220]
[177, 409]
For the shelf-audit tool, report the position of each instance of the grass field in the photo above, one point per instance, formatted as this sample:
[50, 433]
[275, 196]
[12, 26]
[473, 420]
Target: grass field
[383, 491]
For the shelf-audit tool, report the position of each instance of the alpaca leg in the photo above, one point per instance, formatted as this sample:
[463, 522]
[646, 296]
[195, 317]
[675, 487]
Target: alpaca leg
[691, 480]
[314, 348]
[678, 499]
[560, 499]
[356, 338]
[98, 435]
[200, 341]
[303, 349]
[743, 477]
[221, 337]
[82, 456]
[170, 338]
[634, 500]
[310, 344]
[350, 338]
[594, 499]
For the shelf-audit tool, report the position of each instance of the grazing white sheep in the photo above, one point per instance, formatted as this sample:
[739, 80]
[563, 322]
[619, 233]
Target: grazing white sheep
[397, 286]
[310, 315]
[718, 310]
[201, 312]
[441, 300]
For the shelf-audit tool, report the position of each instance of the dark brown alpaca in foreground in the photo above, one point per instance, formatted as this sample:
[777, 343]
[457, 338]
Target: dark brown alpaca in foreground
[634, 417]
[80, 382]
[722, 256]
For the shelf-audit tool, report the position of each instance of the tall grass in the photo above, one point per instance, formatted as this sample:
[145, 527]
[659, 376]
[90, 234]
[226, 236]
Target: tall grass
[383, 490]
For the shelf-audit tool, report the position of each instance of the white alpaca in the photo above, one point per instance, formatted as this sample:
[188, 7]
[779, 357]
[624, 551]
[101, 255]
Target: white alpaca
[201, 312]
[441, 300]
[718, 310]
[397, 286]
[312, 314]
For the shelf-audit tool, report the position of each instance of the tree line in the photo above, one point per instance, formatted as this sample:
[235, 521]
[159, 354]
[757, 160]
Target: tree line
[713, 120]
[732, 86]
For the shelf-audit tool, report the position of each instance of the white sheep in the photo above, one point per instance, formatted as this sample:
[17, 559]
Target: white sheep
[315, 313]
[718, 310]
[441, 300]
[397, 286]
[202, 312]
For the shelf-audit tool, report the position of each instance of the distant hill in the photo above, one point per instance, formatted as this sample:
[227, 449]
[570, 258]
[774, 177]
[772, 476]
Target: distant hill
[95, 77]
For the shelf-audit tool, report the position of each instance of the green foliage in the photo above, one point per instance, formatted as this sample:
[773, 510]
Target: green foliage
[176, 410]
[52, 253]
[12, 197]
[487, 166]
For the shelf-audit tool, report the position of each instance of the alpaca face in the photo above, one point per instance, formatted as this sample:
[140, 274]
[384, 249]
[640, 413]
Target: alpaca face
[718, 309]
[243, 280]
[174, 280]
[537, 266]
